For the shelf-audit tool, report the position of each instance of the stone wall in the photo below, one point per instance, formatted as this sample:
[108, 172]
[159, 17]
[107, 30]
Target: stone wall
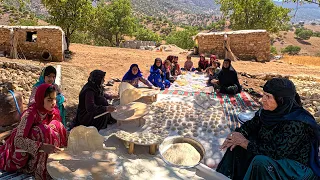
[245, 44]
[138, 44]
[48, 38]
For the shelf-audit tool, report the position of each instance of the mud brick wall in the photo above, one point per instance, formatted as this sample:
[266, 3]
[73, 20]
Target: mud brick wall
[246, 44]
[5, 40]
[49, 39]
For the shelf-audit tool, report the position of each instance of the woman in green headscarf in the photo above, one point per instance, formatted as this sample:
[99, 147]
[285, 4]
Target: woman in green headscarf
[48, 76]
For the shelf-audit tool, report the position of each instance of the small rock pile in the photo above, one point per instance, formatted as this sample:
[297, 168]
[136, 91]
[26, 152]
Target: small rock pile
[310, 96]
[22, 77]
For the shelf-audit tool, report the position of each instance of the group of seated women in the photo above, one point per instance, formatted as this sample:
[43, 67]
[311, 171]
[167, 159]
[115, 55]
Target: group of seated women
[280, 142]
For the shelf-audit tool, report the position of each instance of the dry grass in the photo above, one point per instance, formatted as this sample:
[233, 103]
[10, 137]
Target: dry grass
[302, 60]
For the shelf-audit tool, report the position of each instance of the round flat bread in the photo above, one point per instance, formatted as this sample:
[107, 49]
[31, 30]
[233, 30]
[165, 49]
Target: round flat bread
[87, 165]
[130, 111]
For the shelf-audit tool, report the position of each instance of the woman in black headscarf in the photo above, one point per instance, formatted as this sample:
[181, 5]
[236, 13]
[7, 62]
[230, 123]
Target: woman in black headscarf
[93, 102]
[228, 79]
[280, 142]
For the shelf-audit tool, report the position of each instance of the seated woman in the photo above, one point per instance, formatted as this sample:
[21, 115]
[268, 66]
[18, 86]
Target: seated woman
[213, 72]
[93, 102]
[170, 58]
[280, 142]
[213, 59]
[202, 64]
[176, 71]
[48, 76]
[157, 77]
[166, 69]
[188, 65]
[40, 129]
[228, 79]
[134, 76]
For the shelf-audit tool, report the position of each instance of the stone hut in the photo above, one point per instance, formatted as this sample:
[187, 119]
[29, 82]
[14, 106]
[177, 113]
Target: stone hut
[244, 44]
[33, 42]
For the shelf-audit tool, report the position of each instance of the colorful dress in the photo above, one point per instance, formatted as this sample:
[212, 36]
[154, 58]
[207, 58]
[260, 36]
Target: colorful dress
[60, 97]
[134, 80]
[37, 126]
[158, 79]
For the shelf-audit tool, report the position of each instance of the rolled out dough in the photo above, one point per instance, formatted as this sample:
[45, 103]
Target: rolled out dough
[131, 111]
[84, 138]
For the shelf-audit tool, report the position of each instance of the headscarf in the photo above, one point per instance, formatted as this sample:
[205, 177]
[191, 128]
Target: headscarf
[170, 58]
[129, 76]
[203, 64]
[213, 56]
[290, 110]
[45, 72]
[94, 82]
[38, 106]
[155, 67]
[228, 76]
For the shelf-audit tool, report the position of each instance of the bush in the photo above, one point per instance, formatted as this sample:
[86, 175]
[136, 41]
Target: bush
[304, 34]
[318, 54]
[274, 50]
[28, 22]
[182, 39]
[316, 34]
[292, 50]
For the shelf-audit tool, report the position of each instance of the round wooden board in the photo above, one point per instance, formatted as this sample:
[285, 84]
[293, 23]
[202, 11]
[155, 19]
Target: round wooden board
[85, 165]
[139, 138]
[131, 111]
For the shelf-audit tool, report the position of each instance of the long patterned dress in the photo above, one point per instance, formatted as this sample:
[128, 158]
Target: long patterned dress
[21, 150]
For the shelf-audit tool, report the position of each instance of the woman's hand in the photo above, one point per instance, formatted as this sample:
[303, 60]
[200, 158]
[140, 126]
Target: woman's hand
[111, 108]
[116, 96]
[235, 139]
[214, 81]
[49, 148]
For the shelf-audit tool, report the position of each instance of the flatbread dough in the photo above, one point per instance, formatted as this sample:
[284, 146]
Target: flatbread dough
[130, 95]
[131, 111]
[86, 165]
[83, 138]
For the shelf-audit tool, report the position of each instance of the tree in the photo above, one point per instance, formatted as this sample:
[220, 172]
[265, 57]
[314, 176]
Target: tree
[182, 39]
[70, 15]
[112, 22]
[123, 21]
[146, 35]
[254, 14]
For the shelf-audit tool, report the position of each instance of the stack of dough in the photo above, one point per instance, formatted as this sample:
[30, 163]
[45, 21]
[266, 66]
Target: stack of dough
[128, 93]
[83, 138]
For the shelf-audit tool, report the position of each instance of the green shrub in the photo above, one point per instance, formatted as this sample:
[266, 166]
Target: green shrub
[318, 54]
[274, 50]
[292, 50]
[304, 34]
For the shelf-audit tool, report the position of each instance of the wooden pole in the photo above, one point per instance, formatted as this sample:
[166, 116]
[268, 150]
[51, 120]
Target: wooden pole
[131, 148]
[152, 149]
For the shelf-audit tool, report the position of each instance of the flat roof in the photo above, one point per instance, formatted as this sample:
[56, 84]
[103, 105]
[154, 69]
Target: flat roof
[233, 32]
[31, 27]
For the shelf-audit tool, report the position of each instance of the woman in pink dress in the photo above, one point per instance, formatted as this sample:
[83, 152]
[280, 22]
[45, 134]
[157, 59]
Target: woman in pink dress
[39, 133]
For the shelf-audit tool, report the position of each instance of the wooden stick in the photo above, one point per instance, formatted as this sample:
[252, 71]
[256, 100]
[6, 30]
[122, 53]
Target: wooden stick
[109, 112]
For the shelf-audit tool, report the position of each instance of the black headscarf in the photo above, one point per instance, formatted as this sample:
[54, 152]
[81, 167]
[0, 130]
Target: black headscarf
[289, 109]
[228, 76]
[155, 67]
[94, 82]
[49, 70]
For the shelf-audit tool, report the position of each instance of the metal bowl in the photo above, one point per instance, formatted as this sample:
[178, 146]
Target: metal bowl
[165, 145]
